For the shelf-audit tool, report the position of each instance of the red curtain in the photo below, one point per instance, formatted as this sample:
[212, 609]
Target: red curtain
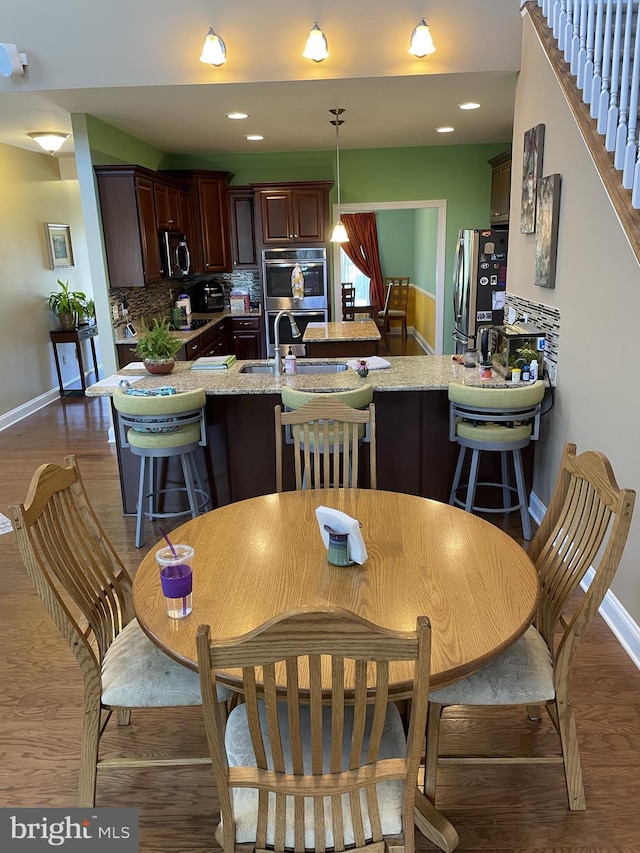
[362, 249]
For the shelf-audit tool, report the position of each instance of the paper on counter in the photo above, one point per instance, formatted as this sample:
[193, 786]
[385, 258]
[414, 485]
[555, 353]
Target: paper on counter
[114, 381]
[342, 523]
[374, 362]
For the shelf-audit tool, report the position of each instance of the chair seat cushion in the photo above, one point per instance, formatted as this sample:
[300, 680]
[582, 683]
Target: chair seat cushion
[175, 438]
[137, 674]
[245, 800]
[521, 675]
[490, 432]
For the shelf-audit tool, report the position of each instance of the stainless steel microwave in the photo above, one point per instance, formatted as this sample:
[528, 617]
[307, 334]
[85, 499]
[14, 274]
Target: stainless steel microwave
[175, 259]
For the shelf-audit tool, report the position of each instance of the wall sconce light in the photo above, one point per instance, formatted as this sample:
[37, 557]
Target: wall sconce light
[12, 62]
[421, 41]
[214, 50]
[316, 46]
[339, 232]
[49, 140]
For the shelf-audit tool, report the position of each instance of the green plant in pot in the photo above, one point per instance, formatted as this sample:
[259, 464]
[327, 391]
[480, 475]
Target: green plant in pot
[67, 304]
[157, 347]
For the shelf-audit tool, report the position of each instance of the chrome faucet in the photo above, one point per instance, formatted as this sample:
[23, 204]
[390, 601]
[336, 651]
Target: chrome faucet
[295, 331]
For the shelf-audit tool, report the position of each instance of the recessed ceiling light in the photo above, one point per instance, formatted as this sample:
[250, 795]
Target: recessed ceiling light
[469, 105]
[445, 129]
[237, 115]
[254, 137]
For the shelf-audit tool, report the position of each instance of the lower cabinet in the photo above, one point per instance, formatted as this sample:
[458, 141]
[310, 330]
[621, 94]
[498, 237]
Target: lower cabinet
[213, 341]
[248, 342]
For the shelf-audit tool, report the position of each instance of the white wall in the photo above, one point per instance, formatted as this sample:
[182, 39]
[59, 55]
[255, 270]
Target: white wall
[32, 194]
[597, 402]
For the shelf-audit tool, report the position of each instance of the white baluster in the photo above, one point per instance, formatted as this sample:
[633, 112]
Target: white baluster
[603, 105]
[561, 23]
[593, 90]
[635, 192]
[621, 130]
[612, 114]
[586, 15]
[631, 149]
[568, 30]
[575, 37]
[544, 5]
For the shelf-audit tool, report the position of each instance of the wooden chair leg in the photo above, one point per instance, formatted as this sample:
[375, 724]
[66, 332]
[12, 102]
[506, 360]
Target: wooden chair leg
[89, 756]
[123, 716]
[570, 752]
[431, 754]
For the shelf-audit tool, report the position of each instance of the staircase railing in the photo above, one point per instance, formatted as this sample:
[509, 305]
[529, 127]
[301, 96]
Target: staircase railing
[600, 41]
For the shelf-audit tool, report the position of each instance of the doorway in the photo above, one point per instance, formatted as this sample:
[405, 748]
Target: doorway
[439, 248]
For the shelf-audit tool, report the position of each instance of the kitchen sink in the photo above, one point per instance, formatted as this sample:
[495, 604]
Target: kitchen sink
[338, 367]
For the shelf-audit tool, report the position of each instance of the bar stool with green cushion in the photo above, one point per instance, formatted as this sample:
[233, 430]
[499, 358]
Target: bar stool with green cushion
[161, 427]
[356, 398]
[497, 420]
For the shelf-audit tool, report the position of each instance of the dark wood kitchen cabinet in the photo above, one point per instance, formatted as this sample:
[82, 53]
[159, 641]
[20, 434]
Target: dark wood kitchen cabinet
[213, 341]
[210, 240]
[294, 213]
[242, 221]
[500, 188]
[172, 208]
[247, 338]
[127, 203]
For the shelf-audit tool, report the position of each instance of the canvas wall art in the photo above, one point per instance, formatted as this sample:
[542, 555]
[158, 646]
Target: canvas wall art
[531, 173]
[548, 206]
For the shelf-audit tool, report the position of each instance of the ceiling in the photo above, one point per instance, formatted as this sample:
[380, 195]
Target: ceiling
[140, 73]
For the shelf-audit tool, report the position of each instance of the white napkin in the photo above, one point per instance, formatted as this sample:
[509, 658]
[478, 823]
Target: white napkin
[374, 362]
[342, 523]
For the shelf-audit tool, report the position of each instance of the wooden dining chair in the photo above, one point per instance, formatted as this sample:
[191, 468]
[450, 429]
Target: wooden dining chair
[395, 305]
[87, 591]
[583, 532]
[317, 426]
[316, 758]
[348, 301]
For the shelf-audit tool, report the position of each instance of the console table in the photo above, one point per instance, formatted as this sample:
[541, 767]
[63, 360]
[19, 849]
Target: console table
[75, 336]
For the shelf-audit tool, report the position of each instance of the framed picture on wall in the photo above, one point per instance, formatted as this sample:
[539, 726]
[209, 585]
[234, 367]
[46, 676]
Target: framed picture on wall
[59, 245]
[531, 172]
[547, 231]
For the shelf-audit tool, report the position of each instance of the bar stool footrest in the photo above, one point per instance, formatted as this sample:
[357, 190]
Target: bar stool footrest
[501, 509]
[200, 493]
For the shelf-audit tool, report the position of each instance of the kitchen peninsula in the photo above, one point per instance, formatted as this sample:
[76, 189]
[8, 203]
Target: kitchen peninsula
[353, 338]
[414, 454]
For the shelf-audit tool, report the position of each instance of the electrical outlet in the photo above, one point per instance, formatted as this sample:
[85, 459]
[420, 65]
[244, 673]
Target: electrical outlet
[114, 312]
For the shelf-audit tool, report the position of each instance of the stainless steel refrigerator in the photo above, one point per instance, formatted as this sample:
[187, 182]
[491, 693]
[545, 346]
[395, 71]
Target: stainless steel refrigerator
[479, 284]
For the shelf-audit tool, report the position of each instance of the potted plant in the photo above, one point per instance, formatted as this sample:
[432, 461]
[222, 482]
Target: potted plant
[67, 304]
[88, 314]
[157, 347]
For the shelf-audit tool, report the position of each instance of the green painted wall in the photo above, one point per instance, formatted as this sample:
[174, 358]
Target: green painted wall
[396, 241]
[458, 173]
[426, 248]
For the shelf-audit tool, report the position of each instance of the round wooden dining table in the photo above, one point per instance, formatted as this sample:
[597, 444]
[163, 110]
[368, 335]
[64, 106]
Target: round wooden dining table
[260, 557]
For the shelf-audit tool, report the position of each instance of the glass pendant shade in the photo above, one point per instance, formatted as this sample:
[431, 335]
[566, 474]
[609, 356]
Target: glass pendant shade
[339, 233]
[214, 50]
[316, 46]
[421, 41]
[50, 141]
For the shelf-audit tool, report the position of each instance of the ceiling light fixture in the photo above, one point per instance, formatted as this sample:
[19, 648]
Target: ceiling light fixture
[214, 50]
[421, 41]
[49, 140]
[339, 232]
[316, 46]
[254, 137]
[237, 115]
[445, 129]
[469, 105]
[12, 62]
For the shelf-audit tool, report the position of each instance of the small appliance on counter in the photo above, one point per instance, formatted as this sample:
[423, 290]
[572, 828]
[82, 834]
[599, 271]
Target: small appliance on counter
[515, 346]
[183, 304]
[209, 297]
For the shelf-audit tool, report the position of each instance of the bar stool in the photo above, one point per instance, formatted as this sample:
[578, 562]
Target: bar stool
[158, 427]
[497, 420]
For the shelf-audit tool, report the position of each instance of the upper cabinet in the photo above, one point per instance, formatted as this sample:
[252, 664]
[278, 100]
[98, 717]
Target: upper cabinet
[130, 225]
[210, 241]
[500, 188]
[293, 213]
[244, 255]
[172, 208]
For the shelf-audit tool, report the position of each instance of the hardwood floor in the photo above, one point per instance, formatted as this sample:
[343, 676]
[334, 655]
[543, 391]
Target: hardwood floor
[512, 809]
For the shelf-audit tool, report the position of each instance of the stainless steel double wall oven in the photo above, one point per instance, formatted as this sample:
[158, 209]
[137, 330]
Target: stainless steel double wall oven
[277, 270]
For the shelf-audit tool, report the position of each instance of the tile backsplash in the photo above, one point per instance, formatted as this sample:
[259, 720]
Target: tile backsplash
[545, 318]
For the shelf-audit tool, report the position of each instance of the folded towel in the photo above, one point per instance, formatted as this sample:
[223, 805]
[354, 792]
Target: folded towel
[342, 523]
[374, 362]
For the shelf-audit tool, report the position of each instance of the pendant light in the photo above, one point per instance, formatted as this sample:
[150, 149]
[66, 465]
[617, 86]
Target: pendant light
[49, 140]
[214, 50]
[339, 232]
[421, 41]
[316, 46]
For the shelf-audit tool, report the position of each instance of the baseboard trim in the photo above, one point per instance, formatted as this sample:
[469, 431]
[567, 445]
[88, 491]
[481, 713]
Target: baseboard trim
[422, 341]
[625, 630]
[14, 416]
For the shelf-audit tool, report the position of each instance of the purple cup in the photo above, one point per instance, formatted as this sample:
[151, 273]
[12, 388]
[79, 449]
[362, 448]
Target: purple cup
[176, 579]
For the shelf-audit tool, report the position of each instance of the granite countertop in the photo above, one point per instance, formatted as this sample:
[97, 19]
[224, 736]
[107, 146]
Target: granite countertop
[187, 335]
[351, 330]
[406, 373]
